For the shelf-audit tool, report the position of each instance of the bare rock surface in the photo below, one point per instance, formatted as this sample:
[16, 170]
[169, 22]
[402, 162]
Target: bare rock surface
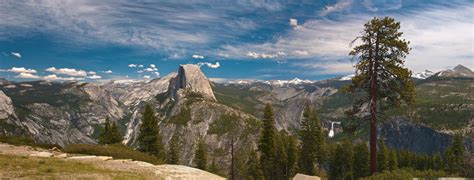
[6, 106]
[151, 171]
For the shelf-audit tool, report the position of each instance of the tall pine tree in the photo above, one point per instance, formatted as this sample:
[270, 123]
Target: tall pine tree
[252, 170]
[340, 165]
[361, 161]
[200, 156]
[174, 149]
[312, 142]
[382, 157]
[149, 138]
[110, 134]
[266, 144]
[381, 80]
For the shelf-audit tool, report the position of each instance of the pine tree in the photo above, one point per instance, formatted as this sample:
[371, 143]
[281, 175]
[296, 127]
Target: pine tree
[252, 170]
[382, 157]
[392, 160]
[104, 137]
[149, 138]
[312, 142]
[115, 135]
[340, 166]
[174, 149]
[110, 134]
[266, 145]
[213, 168]
[455, 155]
[200, 156]
[381, 80]
[437, 162]
[292, 153]
[361, 161]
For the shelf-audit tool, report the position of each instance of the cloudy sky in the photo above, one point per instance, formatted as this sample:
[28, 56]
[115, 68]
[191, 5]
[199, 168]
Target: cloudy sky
[237, 39]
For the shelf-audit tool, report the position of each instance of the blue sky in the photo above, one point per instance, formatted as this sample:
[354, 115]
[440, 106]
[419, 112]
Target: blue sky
[93, 40]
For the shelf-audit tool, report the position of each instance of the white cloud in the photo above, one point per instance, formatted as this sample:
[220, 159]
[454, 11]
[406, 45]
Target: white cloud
[157, 74]
[195, 56]
[152, 65]
[256, 55]
[91, 73]
[19, 70]
[132, 65]
[146, 76]
[54, 77]
[210, 65]
[16, 54]
[26, 75]
[108, 71]
[340, 5]
[67, 71]
[294, 23]
[94, 77]
[140, 65]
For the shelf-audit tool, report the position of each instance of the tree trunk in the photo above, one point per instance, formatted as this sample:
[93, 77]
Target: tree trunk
[373, 107]
[232, 163]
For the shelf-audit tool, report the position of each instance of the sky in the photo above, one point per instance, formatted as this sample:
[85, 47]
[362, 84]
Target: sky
[89, 40]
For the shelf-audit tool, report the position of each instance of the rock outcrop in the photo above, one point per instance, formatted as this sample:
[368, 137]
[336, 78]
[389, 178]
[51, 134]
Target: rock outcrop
[190, 78]
[404, 134]
[6, 106]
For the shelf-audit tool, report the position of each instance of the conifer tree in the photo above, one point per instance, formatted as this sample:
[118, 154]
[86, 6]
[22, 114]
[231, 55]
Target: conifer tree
[392, 160]
[381, 80]
[382, 157]
[116, 137]
[110, 134]
[200, 156]
[104, 137]
[312, 142]
[455, 155]
[213, 168]
[292, 153]
[340, 166]
[149, 138]
[266, 144]
[361, 161]
[174, 149]
[252, 170]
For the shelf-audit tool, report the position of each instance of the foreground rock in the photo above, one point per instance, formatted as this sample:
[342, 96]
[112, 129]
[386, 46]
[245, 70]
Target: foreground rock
[147, 170]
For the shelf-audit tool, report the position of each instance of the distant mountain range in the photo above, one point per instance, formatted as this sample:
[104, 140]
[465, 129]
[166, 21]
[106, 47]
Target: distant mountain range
[191, 106]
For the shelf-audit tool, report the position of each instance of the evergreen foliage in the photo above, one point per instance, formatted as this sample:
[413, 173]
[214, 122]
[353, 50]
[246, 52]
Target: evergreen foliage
[381, 80]
[252, 170]
[266, 144]
[361, 160]
[110, 134]
[200, 156]
[382, 157]
[174, 150]
[340, 166]
[312, 142]
[149, 138]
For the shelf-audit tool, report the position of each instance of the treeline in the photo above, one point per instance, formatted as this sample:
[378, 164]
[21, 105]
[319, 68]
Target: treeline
[279, 155]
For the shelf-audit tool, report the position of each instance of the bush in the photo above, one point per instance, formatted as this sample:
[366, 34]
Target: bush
[116, 151]
[25, 141]
[408, 173]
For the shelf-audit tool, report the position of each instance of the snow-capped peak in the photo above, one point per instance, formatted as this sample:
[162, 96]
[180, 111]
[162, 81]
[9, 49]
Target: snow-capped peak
[294, 81]
[423, 75]
[346, 78]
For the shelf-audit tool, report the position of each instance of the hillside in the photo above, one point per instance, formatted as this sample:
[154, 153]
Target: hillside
[191, 107]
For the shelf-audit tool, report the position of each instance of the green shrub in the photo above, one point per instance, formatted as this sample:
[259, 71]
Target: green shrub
[116, 151]
[25, 141]
[408, 173]
[182, 118]
[226, 123]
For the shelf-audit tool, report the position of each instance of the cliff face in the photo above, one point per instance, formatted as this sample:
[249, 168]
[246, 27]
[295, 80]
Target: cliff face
[190, 78]
[6, 106]
[403, 134]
